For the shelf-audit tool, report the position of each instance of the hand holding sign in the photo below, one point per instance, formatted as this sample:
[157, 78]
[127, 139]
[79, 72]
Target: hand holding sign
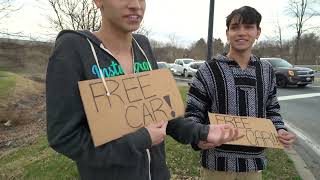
[286, 138]
[157, 132]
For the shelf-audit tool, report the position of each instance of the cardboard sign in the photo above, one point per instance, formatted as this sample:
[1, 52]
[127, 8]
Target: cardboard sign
[136, 100]
[257, 132]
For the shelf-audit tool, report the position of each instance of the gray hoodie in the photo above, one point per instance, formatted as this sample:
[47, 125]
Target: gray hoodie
[68, 132]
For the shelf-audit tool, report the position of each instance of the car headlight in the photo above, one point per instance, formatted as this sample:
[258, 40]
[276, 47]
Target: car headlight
[291, 73]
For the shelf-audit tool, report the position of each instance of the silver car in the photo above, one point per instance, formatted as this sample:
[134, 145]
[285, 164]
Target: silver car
[193, 68]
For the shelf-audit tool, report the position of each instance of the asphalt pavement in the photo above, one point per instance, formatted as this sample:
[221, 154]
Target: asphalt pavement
[302, 116]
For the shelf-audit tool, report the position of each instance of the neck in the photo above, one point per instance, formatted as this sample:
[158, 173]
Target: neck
[242, 58]
[113, 39]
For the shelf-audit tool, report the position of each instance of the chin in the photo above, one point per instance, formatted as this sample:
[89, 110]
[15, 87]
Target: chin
[241, 48]
[132, 28]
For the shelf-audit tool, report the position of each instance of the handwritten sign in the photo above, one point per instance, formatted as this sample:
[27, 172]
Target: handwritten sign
[257, 131]
[136, 100]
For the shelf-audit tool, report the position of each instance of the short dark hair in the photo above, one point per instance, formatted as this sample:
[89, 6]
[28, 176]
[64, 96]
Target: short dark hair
[244, 15]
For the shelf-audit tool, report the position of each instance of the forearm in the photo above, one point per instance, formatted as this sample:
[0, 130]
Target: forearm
[187, 131]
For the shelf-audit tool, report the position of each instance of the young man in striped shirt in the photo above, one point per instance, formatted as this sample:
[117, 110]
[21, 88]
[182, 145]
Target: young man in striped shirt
[237, 83]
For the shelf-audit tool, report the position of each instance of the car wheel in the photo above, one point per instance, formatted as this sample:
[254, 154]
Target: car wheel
[185, 74]
[282, 81]
[302, 85]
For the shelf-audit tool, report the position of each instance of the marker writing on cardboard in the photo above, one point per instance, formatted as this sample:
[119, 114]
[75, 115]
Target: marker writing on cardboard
[129, 92]
[254, 137]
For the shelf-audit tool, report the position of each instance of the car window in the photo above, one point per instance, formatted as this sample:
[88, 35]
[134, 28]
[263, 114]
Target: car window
[280, 63]
[187, 61]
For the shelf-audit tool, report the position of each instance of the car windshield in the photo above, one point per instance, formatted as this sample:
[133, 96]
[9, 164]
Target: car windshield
[162, 65]
[187, 61]
[280, 63]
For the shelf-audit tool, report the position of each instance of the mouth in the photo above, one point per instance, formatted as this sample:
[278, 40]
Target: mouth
[133, 18]
[241, 40]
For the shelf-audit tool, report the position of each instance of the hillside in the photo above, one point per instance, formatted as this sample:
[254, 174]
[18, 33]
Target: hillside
[24, 57]
[22, 110]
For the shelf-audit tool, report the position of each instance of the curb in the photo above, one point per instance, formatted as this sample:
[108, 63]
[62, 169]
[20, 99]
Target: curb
[300, 165]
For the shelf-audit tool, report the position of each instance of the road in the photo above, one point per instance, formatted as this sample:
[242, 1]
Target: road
[300, 108]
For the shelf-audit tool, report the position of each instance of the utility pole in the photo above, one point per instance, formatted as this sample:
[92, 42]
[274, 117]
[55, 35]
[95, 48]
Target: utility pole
[210, 30]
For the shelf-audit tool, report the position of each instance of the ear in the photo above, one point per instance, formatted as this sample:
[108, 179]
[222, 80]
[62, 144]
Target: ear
[258, 33]
[98, 3]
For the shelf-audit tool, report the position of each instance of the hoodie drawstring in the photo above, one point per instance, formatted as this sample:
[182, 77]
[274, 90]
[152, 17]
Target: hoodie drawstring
[106, 87]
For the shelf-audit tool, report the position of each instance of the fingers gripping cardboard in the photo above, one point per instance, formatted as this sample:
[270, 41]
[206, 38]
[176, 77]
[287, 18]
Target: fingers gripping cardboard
[136, 100]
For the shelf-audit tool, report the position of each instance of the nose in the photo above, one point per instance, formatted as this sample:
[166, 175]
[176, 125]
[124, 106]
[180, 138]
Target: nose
[242, 31]
[134, 4]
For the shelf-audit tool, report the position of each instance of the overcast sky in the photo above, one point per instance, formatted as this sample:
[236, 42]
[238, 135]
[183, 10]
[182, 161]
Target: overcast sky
[186, 20]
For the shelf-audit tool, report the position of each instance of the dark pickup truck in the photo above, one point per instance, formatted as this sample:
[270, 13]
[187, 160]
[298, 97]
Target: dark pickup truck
[287, 74]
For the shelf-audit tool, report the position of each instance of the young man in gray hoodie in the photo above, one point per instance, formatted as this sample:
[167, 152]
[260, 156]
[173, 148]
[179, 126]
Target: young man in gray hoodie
[138, 155]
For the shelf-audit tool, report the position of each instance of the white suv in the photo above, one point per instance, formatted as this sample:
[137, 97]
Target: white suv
[181, 66]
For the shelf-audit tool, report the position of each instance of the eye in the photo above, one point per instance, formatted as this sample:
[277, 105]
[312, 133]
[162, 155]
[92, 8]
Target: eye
[249, 26]
[234, 27]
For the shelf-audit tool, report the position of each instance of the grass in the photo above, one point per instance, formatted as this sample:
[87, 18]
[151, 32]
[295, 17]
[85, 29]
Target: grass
[7, 83]
[38, 161]
[316, 68]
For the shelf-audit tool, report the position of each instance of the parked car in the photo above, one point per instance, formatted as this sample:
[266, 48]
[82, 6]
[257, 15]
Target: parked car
[287, 74]
[170, 65]
[181, 65]
[193, 68]
[163, 65]
[173, 69]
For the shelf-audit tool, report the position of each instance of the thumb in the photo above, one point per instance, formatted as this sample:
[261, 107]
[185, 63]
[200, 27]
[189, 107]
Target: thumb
[283, 132]
[227, 126]
[158, 124]
[164, 125]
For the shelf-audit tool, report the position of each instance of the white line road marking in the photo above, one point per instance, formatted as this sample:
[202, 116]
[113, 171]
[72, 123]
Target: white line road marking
[301, 134]
[299, 96]
[311, 143]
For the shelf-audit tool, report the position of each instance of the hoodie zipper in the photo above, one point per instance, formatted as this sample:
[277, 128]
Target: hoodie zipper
[105, 84]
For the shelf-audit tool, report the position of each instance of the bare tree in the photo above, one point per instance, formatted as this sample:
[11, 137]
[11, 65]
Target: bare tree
[280, 43]
[198, 49]
[173, 40]
[75, 14]
[309, 50]
[144, 30]
[302, 11]
[6, 8]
